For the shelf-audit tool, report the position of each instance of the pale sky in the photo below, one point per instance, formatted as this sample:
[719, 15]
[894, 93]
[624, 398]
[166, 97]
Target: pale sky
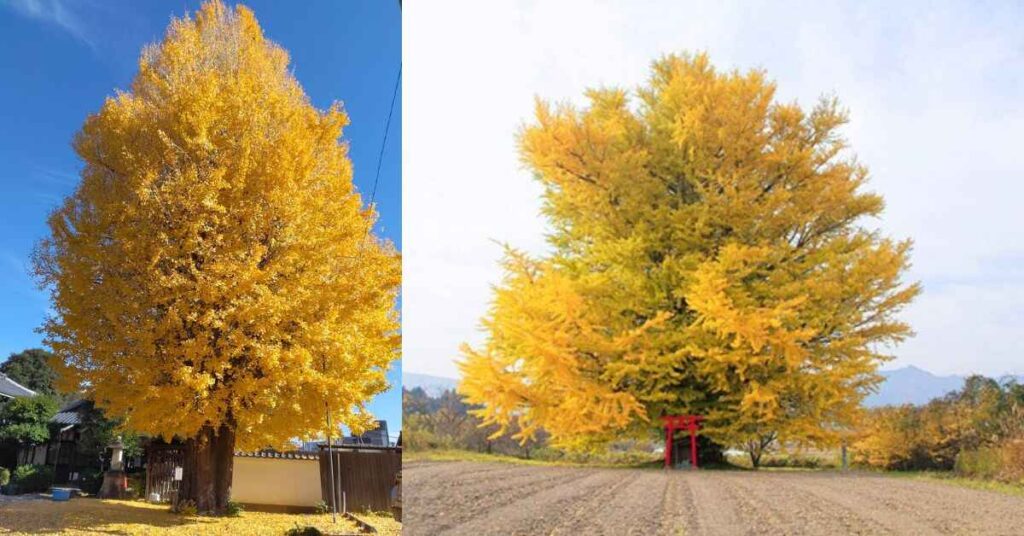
[935, 92]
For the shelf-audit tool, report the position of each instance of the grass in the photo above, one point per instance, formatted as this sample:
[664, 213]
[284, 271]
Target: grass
[964, 482]
[95, 516]
[454, 455]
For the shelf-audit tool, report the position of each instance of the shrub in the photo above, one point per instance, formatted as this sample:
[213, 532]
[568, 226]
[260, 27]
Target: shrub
[5, 476]
[984, 463]
[136, 483]
[304, 531]
[33, 478]
[322, 507]
[235, 509]
[1013, 460]
[1002, 462]
[795, 461]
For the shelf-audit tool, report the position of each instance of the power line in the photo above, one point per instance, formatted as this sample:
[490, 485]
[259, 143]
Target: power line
[373, 197]
[387, 127]
[380, 157]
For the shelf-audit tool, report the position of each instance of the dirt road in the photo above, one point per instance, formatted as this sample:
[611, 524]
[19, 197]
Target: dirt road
[483, 498]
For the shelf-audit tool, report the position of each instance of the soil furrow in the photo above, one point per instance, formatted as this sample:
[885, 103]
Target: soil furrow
[629, 506]
[451, 503]
[458, 498]
[541, 512]
[944, 509]
[678, 515]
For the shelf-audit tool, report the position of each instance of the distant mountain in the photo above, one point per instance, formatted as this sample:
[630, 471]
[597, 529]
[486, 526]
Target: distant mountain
[907, 385]
[433, 385]
[912, 385]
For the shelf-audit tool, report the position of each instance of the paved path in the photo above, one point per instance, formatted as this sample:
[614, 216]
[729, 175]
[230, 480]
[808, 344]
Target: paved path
[469, 498]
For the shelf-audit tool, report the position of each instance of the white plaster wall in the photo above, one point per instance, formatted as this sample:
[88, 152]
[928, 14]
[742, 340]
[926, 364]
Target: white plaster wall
[276, 481]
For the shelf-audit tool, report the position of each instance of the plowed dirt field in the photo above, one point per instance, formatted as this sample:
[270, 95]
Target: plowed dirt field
[470, 498]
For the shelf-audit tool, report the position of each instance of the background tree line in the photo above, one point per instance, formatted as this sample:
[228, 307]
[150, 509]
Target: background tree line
[444, 422]
[977, 430]
[447, 422]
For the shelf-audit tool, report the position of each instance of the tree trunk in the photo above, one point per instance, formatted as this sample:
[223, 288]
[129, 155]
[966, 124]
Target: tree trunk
[208, 470]
[755, 449]
[758, 447]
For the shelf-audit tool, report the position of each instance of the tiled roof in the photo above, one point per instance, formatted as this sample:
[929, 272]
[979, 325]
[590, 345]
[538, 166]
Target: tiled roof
[294, 455]
[67, 417]
[350, 447]
[71, 413]
[12, 389]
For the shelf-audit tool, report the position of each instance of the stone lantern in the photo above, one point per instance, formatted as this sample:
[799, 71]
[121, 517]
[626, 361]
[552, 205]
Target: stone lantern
[117, 455]
[115, 481]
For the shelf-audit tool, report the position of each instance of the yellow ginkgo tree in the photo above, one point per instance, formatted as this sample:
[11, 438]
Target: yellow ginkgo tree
[709, 256]
[214, 276]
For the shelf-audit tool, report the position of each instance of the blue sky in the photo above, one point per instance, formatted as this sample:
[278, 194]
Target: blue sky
[61, 58]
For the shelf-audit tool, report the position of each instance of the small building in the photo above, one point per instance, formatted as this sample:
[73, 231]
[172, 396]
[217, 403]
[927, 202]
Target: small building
[377, 437]
[63, 452]
[12, 389]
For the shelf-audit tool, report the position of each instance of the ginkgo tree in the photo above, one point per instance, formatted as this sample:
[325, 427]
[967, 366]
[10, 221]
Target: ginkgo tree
[214, 276]
[709, 255]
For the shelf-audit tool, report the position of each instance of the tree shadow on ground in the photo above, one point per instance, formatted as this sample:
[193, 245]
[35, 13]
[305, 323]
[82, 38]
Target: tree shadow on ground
[43, 516]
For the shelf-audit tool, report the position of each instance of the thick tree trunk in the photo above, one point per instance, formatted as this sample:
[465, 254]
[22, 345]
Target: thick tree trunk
[208, 470]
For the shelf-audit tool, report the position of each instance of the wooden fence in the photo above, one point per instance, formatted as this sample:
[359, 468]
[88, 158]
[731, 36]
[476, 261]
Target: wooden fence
[162, 460]
[363, 476]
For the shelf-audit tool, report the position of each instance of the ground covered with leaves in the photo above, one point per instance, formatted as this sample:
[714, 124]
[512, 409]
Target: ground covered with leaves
[94, 516]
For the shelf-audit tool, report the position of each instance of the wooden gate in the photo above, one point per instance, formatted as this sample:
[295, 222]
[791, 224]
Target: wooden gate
[363, 477]
[161, 463]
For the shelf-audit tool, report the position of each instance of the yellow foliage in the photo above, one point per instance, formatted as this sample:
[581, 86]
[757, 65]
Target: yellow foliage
[90, 516]
[708, 257]
[977, 429]
[215, 264]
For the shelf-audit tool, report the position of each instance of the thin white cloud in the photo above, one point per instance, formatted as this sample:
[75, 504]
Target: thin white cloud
[56, 177]
[56, 12]
[934, 92]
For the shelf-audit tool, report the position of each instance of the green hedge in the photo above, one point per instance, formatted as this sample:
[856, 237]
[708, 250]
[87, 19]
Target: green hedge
[32, 478]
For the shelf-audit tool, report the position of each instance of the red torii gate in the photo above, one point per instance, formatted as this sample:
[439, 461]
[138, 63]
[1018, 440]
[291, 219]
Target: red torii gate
[681, 422]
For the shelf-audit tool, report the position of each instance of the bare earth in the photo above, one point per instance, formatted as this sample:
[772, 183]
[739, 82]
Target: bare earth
[491, 498]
